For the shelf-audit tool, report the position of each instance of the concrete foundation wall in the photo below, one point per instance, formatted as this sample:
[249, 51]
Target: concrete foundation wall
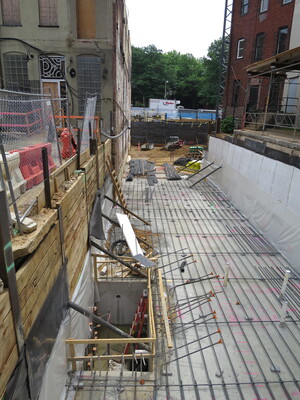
[120, 299]
[266, 191]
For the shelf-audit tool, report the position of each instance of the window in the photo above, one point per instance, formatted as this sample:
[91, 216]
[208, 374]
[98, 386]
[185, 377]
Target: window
[286, 1]
[86, 19]
[259, 44]
[52, 67]
[264, 5]
[245, 7]
[235, 93]
[15, 71]
[48, 13]
[282, 40]
[89, 72]
[11, 12]
[240, 48]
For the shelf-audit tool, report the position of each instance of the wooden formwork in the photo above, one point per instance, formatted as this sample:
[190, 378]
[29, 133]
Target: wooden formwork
[43, 248]
[73, 358]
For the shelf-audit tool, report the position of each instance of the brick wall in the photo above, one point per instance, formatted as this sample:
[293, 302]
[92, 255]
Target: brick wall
[248, 26]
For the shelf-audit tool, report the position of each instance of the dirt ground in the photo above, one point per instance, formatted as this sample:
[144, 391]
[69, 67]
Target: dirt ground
[158, 154]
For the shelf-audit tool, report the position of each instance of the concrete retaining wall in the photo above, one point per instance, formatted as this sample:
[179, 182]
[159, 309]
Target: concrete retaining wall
[266, 191]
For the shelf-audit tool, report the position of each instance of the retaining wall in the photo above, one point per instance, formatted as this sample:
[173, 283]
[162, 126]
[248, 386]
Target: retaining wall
[40, 253]
[158, 132]
[266, 191]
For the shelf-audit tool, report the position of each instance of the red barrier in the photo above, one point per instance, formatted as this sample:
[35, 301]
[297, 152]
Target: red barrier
[31, 163]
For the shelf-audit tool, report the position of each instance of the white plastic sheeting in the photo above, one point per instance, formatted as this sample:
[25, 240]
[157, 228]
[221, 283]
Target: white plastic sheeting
[266, 191]
[74, 326]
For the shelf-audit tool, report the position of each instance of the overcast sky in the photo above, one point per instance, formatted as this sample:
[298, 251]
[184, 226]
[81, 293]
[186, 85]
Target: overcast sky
[188, 26]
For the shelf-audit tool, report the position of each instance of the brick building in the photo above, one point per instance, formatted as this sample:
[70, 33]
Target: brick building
[259, 30]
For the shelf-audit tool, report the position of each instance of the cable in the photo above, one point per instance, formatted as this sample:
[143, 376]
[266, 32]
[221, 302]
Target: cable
[116, 136]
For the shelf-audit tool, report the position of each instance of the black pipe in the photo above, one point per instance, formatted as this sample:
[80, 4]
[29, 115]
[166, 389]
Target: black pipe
[200, 170]
[101, 321]
[46, 177]
[78, 148]
[204, 177]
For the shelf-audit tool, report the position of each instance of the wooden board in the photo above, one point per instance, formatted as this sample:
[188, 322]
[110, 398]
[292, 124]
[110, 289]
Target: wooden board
[36, 277]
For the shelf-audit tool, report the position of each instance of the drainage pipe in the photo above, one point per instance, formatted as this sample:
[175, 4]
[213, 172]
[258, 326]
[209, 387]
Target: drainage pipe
[101, 321]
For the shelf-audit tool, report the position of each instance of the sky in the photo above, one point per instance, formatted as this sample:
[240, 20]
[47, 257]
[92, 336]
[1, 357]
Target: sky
[187, 26]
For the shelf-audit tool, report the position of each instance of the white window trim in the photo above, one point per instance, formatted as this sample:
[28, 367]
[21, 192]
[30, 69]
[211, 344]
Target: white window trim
[240, 47]
[286, 1]
[264, 4]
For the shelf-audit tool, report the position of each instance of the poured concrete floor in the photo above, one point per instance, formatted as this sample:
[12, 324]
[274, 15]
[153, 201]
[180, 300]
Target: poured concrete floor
[230, 342]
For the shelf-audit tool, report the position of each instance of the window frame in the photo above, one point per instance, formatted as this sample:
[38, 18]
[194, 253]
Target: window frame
[286, 1]
[42, 22]
[244, 5]
[256, 47]
[14, 16]
[240, 49]
[264, 6]
[15, 68]
[278, 43]
[89, 78]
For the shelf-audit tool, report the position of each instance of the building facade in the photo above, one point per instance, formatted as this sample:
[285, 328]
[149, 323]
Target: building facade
[72, 49]
[259, 29]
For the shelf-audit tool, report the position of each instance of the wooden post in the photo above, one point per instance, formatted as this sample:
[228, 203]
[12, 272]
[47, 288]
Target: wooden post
[72, 354]
[164, 310]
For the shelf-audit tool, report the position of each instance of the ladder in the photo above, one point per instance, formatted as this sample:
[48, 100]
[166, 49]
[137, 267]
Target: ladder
[139, 318]
[116, 183]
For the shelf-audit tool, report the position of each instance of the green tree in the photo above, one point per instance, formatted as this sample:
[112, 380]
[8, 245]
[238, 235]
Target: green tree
[210, 79]
[149, 74]
[192, 81]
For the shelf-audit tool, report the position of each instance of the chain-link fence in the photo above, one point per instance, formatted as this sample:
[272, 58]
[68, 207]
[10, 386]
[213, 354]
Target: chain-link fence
[28, 140]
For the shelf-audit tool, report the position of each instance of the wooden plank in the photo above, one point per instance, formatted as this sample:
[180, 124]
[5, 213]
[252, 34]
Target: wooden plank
[76, 254]
[27, 294]
[7, 369]
[71, 196]
[72, 354]
[27, 244]
[116, 183]
[164, 310]
[47, 283]
[110, 341]
[32, 263]
[8, 338]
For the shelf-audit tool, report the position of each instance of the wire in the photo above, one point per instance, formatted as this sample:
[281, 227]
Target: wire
[73, 91]
[237, 80]
[116, 136]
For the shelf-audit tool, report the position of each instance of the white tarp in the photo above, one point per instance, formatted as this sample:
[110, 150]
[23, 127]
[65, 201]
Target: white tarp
[74, 326]
[129, 234]
[266, 191]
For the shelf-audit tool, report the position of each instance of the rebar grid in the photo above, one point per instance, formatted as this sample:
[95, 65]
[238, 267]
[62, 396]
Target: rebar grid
[259, 358]
[203, 220]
